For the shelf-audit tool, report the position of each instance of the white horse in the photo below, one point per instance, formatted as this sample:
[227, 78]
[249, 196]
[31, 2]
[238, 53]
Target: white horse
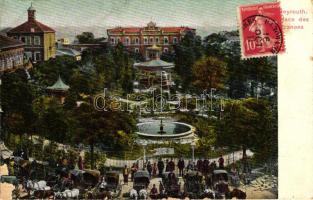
[74, 193]
[133, 194]
[208, 191]
[143, 194]
[40, 185]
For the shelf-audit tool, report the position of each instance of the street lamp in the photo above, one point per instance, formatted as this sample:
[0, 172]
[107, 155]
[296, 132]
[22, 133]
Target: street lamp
[193, 145]
[161, 90]
[144, 144]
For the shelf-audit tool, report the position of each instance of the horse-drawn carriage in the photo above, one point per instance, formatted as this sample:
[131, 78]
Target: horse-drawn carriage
[141, 180]
[110, 187]
[194, 185]
[140, 185]
[113, 183]
[169, 186]
[75, 183]
[221, 180]
[85, 178]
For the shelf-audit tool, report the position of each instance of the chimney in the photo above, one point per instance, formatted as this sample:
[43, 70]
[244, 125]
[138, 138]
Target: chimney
[31, 13]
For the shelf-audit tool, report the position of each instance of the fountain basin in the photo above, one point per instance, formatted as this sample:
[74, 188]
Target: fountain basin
[171, 129]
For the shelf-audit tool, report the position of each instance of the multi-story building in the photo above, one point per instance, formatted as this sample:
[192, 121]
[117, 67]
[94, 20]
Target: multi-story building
[11, 54]
[39, 39]
[137, 39]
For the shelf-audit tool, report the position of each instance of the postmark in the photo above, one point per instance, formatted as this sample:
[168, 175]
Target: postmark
[260, 27]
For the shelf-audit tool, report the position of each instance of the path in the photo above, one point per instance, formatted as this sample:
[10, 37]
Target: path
[229, 158]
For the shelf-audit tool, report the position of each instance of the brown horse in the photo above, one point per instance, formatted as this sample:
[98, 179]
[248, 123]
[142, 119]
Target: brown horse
[236, 193]
[43, 194]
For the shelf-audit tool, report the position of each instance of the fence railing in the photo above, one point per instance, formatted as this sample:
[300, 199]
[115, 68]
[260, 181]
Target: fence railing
[228, 159]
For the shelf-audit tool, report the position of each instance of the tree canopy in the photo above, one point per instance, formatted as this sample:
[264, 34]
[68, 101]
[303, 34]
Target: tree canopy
[209, 72]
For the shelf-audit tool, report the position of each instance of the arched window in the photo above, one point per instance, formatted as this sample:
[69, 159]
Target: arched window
[127, 41]
[165, 40]
[145, 40]
[175, 40]
[151, 40]
[136, 40]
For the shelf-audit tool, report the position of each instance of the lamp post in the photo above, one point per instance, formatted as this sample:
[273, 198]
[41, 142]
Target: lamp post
[161, 91]
[144, 144]
[193, 145]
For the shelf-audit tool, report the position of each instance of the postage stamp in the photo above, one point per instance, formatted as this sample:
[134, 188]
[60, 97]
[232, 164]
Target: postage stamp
[260, 27]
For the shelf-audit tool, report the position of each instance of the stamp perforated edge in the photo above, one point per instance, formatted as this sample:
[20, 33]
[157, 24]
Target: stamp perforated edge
[239, 24]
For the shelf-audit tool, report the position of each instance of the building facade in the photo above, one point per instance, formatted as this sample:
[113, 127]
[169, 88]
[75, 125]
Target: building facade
[38, 38]
[11, 54]
[137, 39]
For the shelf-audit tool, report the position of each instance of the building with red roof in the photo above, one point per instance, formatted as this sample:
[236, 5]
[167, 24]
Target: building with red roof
[39, 39]
[11, 54]
[137, 39]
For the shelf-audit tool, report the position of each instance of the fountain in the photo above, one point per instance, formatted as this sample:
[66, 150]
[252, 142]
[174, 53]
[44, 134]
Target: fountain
[155, 129]
[161, 128]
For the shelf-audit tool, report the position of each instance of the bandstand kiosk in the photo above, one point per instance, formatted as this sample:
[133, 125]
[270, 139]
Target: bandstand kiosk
[154, 72]
[59, 90]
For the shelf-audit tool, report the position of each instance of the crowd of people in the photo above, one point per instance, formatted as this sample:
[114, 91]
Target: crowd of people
[158, 168]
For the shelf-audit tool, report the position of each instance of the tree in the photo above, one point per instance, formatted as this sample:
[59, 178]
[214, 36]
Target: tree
[249, 124]
[213, 44]
[262, 71]
[237, 78]
[236, 129]
[209, 72]
[86, 37]
[46, 73]
[17, 103]
[266, 144]
[186, 53]
[111, 128]
[123, 68]
[81, 82]
[51, 122]
[71, 100]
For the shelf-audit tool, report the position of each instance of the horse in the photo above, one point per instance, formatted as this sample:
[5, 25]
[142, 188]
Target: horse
[143, 194]
[40, 185]
[133, 194]
[74, 193]
[238, 194]
[39, 189]
[43, 194]
[208, 193]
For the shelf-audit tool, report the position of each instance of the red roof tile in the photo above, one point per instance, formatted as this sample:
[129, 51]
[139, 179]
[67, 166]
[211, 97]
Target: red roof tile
[138, 29]
[126, 29]
[132, 29]
[27, 26]
[175, 29]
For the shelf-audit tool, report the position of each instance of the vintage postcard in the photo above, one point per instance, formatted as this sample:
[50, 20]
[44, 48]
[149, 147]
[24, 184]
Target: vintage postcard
[168, 99]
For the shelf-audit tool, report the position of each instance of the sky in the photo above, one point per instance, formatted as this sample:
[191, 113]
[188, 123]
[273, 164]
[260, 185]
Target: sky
[111, 13]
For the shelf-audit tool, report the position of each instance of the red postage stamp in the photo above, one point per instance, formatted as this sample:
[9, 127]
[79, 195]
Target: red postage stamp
[260, 27]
